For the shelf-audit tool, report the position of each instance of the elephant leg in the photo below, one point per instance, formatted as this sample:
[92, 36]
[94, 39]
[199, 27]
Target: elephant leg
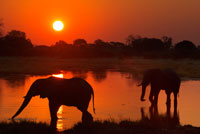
[151, 96]
[86, 116]
[53, 107]
[156, 97]
[168, 98]
[175, 100]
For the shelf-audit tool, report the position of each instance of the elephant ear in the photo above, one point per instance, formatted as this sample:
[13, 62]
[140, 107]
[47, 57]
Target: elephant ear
[43, 88]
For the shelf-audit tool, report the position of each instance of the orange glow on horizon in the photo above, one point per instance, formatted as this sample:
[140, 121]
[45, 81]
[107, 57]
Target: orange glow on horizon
[58, 75]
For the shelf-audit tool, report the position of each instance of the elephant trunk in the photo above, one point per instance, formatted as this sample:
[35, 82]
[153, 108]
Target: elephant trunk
[143, 93]
[24, 104]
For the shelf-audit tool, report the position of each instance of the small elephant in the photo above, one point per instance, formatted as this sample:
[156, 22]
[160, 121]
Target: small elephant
[166, 79]
[59, 91]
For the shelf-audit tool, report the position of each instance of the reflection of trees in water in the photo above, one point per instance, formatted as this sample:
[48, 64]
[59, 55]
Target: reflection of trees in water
[99, 75]
[132, 79]
[14, 80]
[80, 73]
[161, 120]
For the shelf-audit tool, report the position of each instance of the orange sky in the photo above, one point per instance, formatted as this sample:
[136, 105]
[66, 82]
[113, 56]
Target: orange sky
[105, 19]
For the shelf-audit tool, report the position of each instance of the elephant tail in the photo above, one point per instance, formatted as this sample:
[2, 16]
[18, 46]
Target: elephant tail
[93, 101]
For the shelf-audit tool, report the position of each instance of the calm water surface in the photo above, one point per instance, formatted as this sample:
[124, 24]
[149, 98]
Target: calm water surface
[116, 97]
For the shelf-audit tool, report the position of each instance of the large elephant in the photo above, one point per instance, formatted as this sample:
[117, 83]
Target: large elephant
[166, 79]
[71, 92]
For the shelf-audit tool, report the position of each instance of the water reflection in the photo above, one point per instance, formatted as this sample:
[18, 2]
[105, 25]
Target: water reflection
[14, 80]
[116, 97]
[60, 119]
[99, 75]
[161, 120]
[80, 73]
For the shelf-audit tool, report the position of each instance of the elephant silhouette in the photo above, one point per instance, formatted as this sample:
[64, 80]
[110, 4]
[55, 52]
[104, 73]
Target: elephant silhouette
[166, 79]
[59, 91]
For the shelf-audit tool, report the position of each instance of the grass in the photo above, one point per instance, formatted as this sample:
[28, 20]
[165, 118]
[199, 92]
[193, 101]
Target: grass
[100, 127]
[24, 127]
[130, 127]
[186, 68]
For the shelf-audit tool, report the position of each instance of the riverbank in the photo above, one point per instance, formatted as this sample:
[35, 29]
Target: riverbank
[101, 127]
[186, 68]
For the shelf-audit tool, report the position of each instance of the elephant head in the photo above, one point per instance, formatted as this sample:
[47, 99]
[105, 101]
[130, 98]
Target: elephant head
[35, 89]
[147, 77]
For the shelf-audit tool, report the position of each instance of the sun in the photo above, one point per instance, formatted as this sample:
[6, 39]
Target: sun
[58, 75]
[58, 25]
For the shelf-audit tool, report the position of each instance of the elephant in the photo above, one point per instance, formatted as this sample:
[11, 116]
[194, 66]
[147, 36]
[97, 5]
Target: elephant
[59, 91]
[166, 79]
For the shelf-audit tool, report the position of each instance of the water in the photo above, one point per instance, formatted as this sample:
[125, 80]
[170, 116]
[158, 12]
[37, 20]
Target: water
[116, 98]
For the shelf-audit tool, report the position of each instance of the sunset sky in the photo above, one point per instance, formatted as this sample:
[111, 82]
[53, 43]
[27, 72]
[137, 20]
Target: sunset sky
[109, 20]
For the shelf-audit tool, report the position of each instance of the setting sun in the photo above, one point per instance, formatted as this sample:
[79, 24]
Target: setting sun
[58, 25]
[58, 75]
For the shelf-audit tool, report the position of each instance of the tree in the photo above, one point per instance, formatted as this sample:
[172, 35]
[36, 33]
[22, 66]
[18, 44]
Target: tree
[117, 44]
[61, 44]
[130, 39]
[167, 41]
[62, 49]
[185, 48]
[80, 43]
[99, 42]
[14, 34]
[17, 40]
[148, 44]
[15, 43]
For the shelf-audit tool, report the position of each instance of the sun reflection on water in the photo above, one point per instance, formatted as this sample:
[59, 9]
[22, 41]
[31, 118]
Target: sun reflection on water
[60, 119]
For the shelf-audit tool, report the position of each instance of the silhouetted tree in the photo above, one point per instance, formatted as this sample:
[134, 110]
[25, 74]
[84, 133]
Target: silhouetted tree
[80, 43]
[148, 44]
[15, 34]
[185, 46]
[15, 43]
[42, 50]
[62, 49]
[117, 44]
[185, 49]
[130, 39]
[104, 49]
[167, 41]
[101, 44]
[17, 39]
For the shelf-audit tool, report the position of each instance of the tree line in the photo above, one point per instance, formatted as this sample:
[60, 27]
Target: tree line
[15, 43]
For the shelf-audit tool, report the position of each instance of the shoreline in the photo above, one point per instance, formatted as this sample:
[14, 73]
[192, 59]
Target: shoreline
[187, 69]
[144, 126]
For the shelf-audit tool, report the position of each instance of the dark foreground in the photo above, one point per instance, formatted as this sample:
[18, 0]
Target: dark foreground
[101, 127]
